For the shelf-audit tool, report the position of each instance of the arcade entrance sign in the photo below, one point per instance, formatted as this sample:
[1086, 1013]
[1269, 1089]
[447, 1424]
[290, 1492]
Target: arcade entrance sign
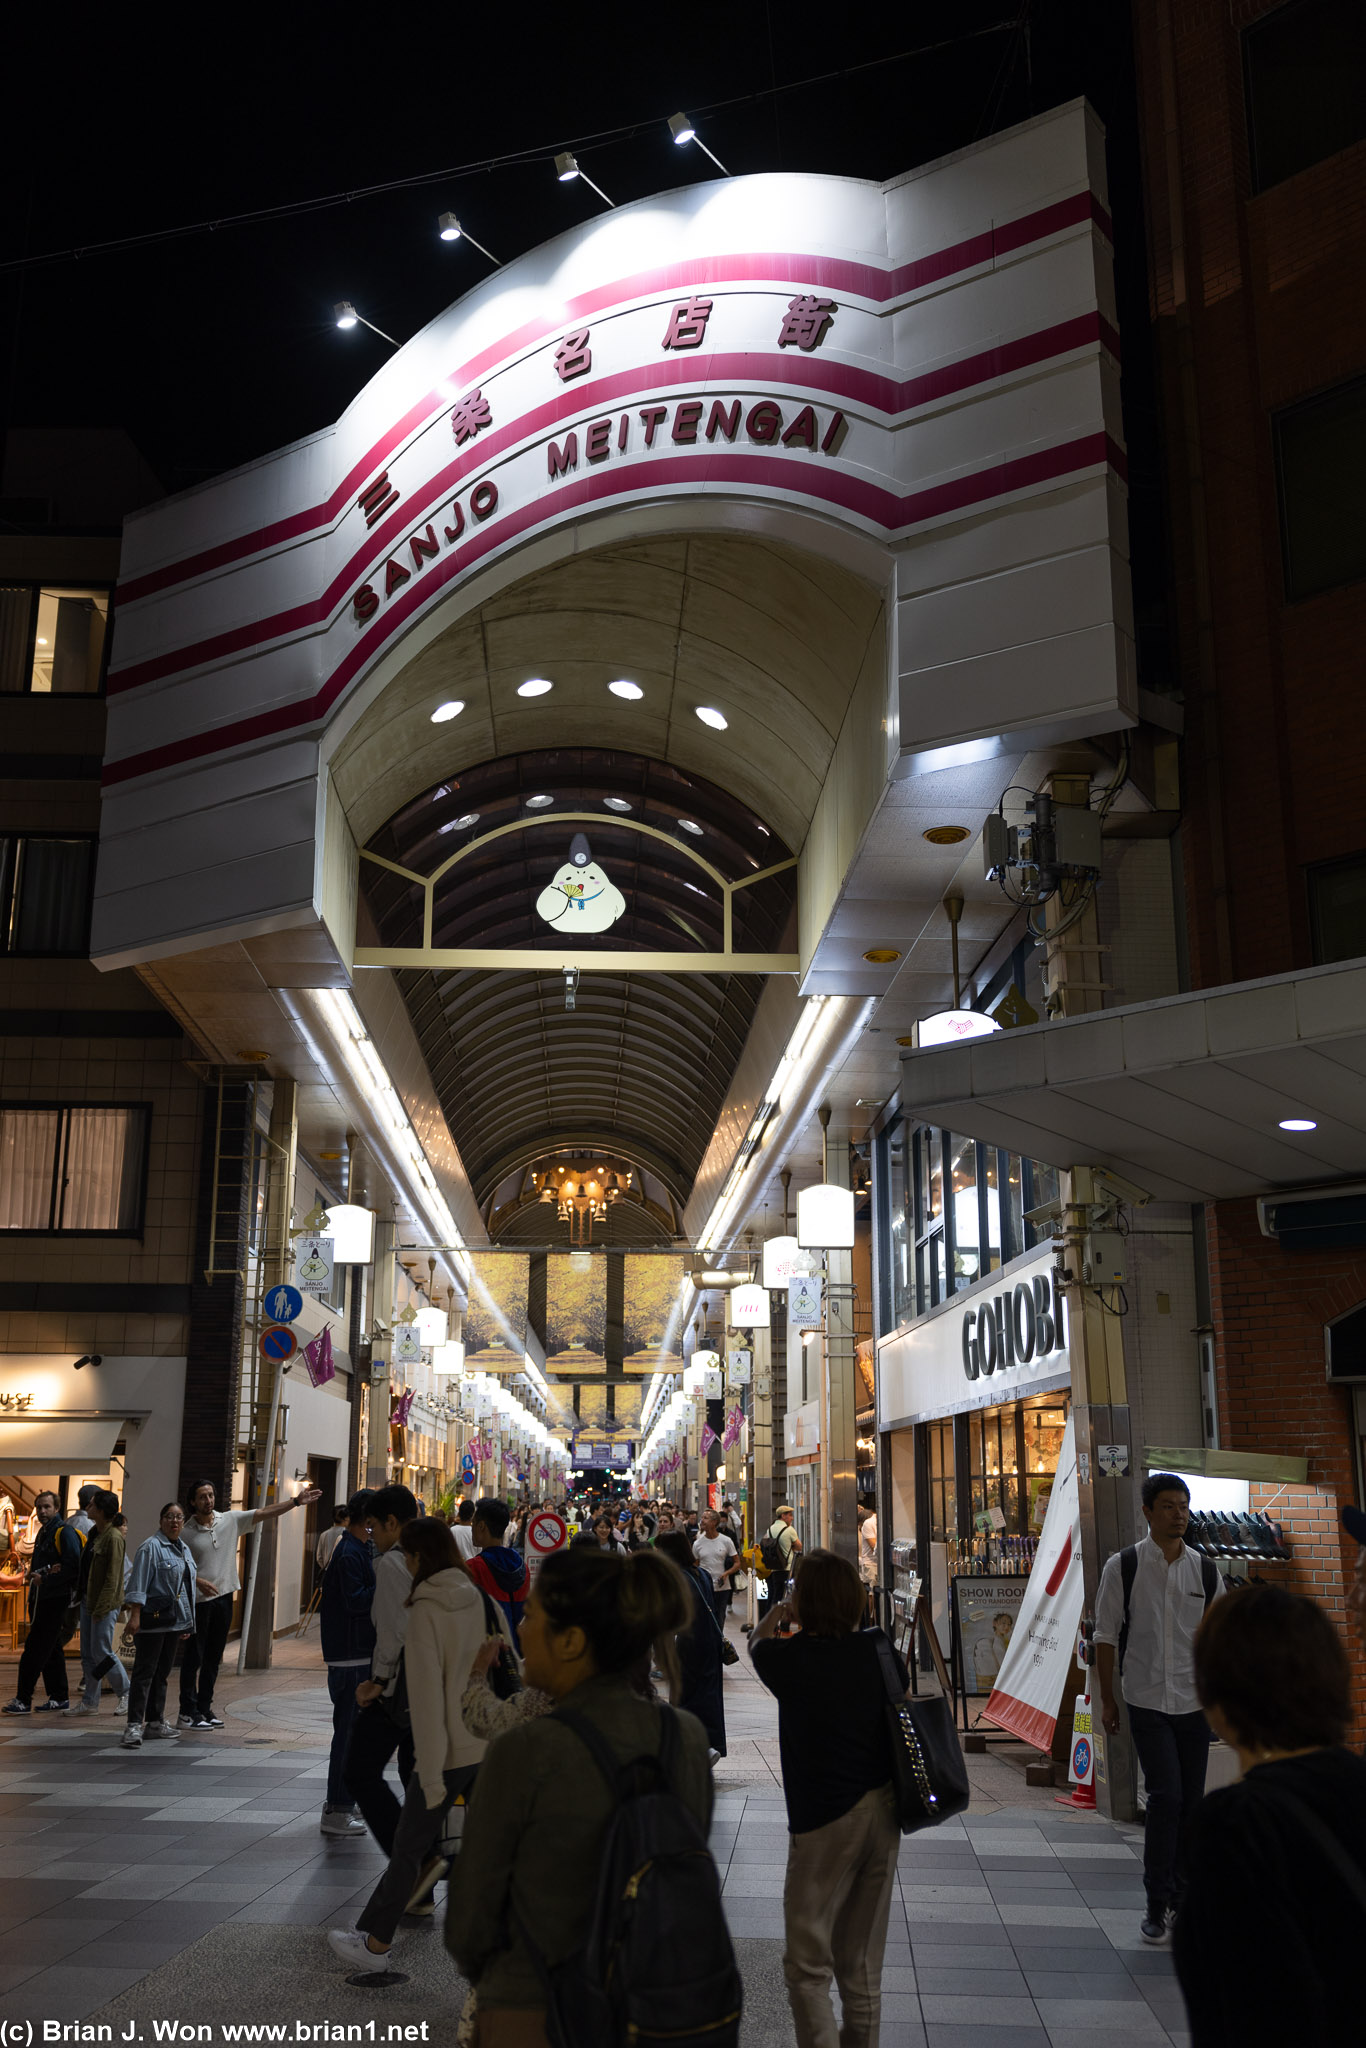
[917, 380]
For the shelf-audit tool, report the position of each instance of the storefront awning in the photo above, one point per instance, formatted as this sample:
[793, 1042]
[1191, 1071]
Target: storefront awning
[1183, 1096]
[57, 1443]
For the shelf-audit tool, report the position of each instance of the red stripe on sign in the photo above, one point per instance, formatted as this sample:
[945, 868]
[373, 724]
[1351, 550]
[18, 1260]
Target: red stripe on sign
[839, 380]
[865, 500]
[825, 273]
[1031, 1724]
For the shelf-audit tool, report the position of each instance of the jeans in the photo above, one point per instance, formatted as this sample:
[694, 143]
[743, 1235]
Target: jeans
[97, 1643]
[419, 1830]
[342, 1680]
[374, 1738]
[44, 1651]
[1174, 1751]
[204, 1654]
[837, 1896]
[151, 1672]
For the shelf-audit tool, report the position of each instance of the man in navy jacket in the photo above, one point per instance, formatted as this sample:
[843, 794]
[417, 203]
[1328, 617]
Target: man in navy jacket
[348, 1637]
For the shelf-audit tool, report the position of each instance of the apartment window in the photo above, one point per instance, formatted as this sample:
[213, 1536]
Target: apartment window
[45, 892]
[1304, 69]
[1337, 909]
[52, 639]
[73, 1169]
[1320, 449]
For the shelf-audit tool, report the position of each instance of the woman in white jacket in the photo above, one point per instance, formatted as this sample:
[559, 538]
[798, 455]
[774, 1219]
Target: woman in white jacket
[446, 1629]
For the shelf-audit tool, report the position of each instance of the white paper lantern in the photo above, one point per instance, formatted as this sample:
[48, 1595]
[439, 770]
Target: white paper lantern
[353, 1234]
[783, 1256]
[825, 1218]
[432, 1323]
[747, 1308]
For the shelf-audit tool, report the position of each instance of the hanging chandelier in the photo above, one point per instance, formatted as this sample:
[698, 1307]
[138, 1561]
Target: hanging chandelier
[581, 1193]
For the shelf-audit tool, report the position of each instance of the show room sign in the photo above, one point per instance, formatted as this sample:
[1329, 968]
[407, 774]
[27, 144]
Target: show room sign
[1003, 1338]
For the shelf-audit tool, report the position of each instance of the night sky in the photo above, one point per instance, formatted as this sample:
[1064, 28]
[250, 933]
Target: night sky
[214, 347]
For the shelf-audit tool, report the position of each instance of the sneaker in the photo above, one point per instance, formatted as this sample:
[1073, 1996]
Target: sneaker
[82, 1708]
[132, 1737]
[162, 1731]
[53, 1707]
[433, 1870]
[190, 1720]
[355, 1951]
[17, 1707]
[340, 1820]
[209, 1720]
[121, 1706]
[1154, 1927]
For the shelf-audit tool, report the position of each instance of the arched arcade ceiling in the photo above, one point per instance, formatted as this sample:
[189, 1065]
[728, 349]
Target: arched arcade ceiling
[777, 640]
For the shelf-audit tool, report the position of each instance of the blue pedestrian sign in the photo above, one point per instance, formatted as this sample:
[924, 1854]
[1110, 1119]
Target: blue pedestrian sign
[284, 1304]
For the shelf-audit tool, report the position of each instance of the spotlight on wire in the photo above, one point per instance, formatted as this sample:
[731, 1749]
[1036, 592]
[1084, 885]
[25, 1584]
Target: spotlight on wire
[567, 168]
[347, 316]
[91, 1358]
[450, 230]
[683, 129]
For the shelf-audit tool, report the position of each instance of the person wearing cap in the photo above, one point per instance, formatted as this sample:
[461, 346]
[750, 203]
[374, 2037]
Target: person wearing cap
[787, 1544]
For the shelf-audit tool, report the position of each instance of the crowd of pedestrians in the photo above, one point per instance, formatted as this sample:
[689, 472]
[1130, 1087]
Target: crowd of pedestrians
[522, 1709]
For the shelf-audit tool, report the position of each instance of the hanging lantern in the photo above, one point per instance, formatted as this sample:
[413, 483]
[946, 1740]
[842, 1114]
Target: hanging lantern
[825, 1218]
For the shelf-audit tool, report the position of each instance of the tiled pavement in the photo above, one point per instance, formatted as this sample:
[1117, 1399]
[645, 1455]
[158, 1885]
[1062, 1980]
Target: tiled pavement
[190, 1880]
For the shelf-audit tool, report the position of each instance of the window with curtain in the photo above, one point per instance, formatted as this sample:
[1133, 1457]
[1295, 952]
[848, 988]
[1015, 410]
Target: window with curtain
[45, 894]
[75, 1168]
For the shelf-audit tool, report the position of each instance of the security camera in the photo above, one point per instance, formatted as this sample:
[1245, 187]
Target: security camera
[91, 1358]
[1116, 1184]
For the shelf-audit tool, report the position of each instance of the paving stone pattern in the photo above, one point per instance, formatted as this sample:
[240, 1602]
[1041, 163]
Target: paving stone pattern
[189, 1880]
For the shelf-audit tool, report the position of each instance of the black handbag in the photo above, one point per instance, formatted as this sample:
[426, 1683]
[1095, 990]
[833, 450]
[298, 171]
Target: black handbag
[929, 1776]
[505, 1680]
[394, 1702]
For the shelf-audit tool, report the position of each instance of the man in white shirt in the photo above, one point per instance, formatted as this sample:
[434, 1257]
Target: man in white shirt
[212, 1539]
[719, 1559]
[462, 1528]
[1152, 1599]
[380, 1725]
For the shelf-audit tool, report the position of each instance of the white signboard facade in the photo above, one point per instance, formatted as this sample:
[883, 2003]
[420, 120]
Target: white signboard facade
[1004, 1338]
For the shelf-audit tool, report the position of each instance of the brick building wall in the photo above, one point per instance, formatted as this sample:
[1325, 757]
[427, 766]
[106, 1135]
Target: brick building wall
[1270, 1307]
[1258, 300]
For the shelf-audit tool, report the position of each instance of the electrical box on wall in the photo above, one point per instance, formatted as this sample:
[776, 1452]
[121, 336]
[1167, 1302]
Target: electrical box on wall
[1103, 1262]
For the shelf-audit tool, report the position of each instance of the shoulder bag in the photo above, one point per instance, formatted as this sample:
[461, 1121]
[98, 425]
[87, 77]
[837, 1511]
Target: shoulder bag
[929, 1776]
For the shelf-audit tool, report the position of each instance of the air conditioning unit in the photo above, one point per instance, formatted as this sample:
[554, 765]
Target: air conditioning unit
[1315, 1219]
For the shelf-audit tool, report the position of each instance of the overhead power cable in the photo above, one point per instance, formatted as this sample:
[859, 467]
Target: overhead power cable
[599, 139]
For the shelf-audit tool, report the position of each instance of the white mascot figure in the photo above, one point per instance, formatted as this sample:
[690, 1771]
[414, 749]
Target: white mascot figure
[580, 898]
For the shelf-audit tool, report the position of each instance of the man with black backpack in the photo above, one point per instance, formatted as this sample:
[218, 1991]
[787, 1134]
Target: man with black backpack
[53, 1582]
[778, 1553]
[1152, 1598]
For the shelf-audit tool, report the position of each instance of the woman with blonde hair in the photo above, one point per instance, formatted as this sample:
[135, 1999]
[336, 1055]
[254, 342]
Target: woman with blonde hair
[535, 1832]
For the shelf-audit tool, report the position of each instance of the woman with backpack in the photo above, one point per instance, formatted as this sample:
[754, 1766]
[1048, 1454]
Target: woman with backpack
[446, 1630]
[540, 1830]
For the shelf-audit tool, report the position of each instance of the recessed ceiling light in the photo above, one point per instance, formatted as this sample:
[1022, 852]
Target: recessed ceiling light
[534, 686]
[462, 824]
[616, 803]
[693, 886]
[437, 794]
[538, 803]
[687, 825]
[882, 956]
[630, 691]
[764, 829]
[946, 835]
[452, 709]
[709, 715]
[1298, 1123]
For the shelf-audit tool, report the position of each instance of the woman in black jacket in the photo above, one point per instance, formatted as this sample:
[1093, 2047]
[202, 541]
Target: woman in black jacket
[699, 1646]
[1290, 1839]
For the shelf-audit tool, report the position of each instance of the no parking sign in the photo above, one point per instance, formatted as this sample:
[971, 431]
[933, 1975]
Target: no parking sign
[546, 1533]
